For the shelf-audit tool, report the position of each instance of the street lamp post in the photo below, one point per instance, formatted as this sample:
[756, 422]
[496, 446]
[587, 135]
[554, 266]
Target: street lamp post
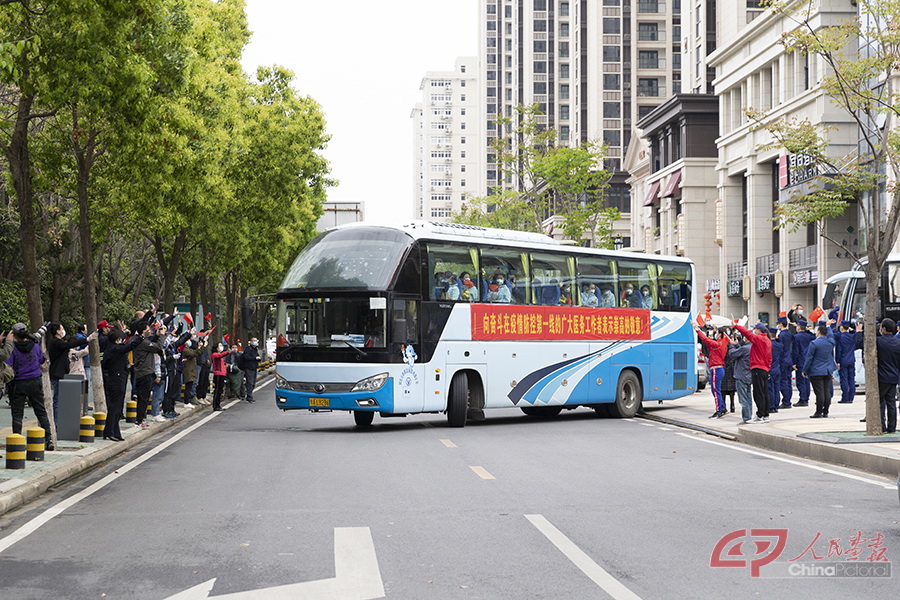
[618, 242]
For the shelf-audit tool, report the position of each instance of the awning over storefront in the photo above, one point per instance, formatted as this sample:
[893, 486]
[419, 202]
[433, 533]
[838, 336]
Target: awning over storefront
[652, 195]
[673, 185]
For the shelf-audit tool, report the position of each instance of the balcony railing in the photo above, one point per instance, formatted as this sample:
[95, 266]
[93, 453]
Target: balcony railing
[651, 6]
[766, 265]
[651, 63]
[652, 92]
[736, 270]
[651, 36]
[802, 258]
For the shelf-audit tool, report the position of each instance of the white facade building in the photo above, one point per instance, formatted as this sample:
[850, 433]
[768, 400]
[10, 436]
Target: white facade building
[448, 135]
[766, 270]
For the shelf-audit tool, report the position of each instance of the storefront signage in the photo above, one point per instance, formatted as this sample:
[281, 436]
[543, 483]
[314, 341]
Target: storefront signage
[735, 287]
[794, 169]
[765, 283]
[803, 278]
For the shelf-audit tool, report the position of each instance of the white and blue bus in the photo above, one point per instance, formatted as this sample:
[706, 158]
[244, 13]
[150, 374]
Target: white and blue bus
[444, 318]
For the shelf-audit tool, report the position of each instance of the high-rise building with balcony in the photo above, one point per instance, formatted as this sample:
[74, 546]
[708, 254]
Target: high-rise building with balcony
[593, 68]
[448, 126]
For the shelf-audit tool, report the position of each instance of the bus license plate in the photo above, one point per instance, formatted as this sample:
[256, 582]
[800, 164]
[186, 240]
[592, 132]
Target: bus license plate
[319, 402]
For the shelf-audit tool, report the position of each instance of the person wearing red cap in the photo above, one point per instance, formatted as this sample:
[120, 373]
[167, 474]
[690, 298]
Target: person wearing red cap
[760, 363]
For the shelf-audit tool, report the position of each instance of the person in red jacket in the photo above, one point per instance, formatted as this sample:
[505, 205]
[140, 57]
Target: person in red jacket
[220, 375]
[718, 348]
[760, 361]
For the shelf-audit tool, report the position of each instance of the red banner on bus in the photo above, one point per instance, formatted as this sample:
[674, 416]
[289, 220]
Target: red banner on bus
[518, 322]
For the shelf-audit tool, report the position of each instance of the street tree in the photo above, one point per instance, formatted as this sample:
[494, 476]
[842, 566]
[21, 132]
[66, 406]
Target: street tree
[861, 79]
[544, 178]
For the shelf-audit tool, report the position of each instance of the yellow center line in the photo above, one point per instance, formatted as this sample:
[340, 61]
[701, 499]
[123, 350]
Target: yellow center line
[448, 443]
[482, 472]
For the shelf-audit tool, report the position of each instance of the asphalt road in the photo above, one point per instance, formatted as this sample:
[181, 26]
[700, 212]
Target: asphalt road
[253, 503]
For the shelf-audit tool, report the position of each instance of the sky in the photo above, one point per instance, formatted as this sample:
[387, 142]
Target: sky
[363, 61]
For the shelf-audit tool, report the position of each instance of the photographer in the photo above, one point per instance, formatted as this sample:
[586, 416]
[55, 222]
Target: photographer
[26, 359]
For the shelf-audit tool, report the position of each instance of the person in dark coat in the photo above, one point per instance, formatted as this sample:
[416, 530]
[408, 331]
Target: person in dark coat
[729, 385]
[115, 377]
[802, 340]
[250, 364]
[818, 366]
[887, 345]
[845, 357]
[787, 361]
[739, 357]
[58, 351]
[775, 370]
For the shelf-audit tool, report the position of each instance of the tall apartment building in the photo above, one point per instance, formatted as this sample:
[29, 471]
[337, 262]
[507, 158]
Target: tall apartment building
[594, 67]
[448, 134]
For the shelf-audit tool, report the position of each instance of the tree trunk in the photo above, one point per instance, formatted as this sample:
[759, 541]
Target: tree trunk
[169, 268]
[19, 161]
[84, 161]
[870, 352]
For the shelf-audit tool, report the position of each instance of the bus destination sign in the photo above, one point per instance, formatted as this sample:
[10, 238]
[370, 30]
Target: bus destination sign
[517, 322]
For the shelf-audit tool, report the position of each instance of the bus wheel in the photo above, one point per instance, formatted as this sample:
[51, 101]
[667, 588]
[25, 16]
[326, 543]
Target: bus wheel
[628, 396]
[363, 418]
[458, 404]
[542, 411]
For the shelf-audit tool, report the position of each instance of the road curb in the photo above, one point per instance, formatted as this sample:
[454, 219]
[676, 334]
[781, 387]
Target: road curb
[834, 454]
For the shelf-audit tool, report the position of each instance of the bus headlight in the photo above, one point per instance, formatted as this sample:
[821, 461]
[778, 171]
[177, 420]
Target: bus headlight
[370, 384]
[281, 383]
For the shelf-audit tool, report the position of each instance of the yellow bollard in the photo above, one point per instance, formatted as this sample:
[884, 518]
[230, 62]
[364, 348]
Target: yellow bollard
[130, 411]
[99, 424]
[86, 434]
[15, 451]
[37, 442]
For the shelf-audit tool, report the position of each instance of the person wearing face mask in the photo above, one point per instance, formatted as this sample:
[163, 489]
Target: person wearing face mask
[250, 364]
[606, 299]
[646, 297]
[115, 376]
[172, 372]
[58, 350]
[469, 289]
[631, 298]
[589, 295]
[718, 348]
[192, 350]
[498, 292]
[794, 315]
[220, 376]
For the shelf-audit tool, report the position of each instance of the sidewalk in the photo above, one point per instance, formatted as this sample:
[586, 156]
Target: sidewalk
[20, 486]
[791, 431]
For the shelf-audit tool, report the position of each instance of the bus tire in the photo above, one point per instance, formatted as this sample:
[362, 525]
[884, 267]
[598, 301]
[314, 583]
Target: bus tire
[363, 418]
[629, 396]
[458, 403]
[542, 411]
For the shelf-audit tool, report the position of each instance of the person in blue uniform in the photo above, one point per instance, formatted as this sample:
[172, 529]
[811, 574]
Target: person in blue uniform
[801, 342]
[787, 361]
[775, 370]
[844, 356]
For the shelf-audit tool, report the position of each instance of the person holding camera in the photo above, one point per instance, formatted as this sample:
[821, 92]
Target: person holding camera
[26, 359]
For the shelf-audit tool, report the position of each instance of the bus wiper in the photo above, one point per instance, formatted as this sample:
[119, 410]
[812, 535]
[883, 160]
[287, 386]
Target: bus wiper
[357, 350]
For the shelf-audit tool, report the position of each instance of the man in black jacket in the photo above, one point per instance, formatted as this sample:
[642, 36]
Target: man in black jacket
[250, 364]
[145, 369]
[58, 349]
[887, 346]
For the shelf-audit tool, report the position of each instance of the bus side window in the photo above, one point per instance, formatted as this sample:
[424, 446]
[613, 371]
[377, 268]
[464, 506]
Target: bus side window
[673, 293]
[636, 285]
[554, 279]
[454, 272]
[596, 282]
[503, 278]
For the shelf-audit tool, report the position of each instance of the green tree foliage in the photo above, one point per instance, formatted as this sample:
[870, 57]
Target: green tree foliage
[861, 58]
[548, 179]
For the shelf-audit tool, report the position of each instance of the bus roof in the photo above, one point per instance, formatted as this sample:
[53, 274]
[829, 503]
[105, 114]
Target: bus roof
[418, 229]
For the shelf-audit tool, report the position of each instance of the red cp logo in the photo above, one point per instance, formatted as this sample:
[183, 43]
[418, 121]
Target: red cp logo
[767, 543]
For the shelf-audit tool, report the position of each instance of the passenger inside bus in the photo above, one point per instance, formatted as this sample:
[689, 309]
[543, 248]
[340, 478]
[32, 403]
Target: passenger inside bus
[517, 292]
[607, 299]
[565, 296]
[469, 291]
[646, 297]
[589, 295]
[498, 291]
[550, 293]
[631, 298]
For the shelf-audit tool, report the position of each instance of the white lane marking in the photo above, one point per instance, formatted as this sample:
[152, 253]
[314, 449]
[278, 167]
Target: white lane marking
[40, 520]
[646, 424]
[790, 461]
[663, 428]
[262, 385]
[482, 472]
[595, 572]
[357, 576]
[448, 443]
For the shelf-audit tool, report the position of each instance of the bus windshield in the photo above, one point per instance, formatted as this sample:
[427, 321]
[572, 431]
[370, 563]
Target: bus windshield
[334, 322]
[352, 258]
